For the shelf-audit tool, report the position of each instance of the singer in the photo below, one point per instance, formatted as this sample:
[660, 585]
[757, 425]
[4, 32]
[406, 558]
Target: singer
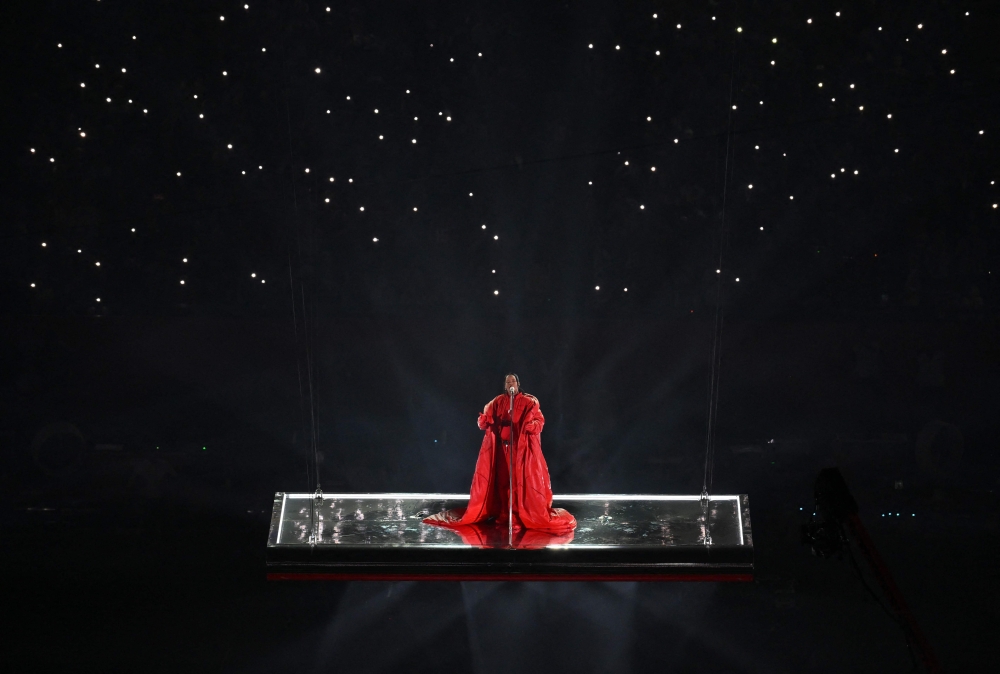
[519, 498]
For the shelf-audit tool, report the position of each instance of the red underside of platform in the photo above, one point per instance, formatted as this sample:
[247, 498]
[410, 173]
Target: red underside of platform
[519, 577]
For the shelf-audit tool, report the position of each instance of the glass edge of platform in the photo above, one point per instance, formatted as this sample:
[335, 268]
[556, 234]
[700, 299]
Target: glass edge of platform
[556, 497]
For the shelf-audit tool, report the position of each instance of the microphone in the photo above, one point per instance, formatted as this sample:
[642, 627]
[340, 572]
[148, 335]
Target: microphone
[512, 390]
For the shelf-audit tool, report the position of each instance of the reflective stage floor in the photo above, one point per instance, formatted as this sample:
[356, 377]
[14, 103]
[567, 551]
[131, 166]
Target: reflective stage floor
[618, 537]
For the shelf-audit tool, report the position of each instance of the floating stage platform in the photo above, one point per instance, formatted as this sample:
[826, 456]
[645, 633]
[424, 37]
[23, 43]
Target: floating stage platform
[618, 537]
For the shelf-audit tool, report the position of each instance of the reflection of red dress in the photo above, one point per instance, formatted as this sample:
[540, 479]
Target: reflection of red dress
[532, 491]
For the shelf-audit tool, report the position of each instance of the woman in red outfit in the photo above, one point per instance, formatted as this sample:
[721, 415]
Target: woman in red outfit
[515, 440]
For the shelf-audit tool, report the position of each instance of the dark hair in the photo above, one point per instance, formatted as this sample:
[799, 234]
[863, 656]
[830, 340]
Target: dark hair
[516, 378]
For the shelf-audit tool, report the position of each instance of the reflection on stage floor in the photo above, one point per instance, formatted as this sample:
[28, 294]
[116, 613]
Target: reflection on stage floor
[618, 537]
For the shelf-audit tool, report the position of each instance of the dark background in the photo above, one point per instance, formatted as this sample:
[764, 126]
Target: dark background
[143, 435]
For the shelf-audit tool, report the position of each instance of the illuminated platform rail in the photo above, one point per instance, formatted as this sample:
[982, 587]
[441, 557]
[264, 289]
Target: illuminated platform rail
[618, 537]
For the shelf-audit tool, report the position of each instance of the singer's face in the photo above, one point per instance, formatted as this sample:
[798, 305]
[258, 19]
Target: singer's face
[510, 381]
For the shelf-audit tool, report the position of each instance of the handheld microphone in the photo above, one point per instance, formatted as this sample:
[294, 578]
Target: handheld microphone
[512, 390]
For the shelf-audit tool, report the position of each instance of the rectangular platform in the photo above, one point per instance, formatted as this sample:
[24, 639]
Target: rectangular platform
[618, 537]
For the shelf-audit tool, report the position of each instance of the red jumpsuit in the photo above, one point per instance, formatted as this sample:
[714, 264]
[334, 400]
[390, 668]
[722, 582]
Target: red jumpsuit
[532, 490]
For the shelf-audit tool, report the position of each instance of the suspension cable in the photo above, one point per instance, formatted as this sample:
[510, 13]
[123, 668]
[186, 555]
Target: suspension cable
[713, 389]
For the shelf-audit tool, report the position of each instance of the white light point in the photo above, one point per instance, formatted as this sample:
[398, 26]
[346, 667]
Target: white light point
[184, 260]
[590, 46]
[83, 85]
[749, 187]
[678, 26]
[307, 170]
[470, 194]
[496, 237]
[676, 140]
[331, 179]
[317, 71]
[362, 209]
[739, 29]
[626, 289]
[855, 172]
[97, 264]
[327, 200]
[83, 134]
[772, 63]
[657, 52]
[597, 287]
[617, 48]
[52, 160]
[44, 245]
[762, 229]
[496, 292]
[791, 197]
[737, 279]
[222, 18]
[653, 169]
[774, 40]
[642, 207]
[414, 141]
[649, 119]
[178, 174]
[375, 239]
[230, 146]
[756, 147]
[414, 209]
[484, 226]
[182, 282]
[32, 285]
[253, 275]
